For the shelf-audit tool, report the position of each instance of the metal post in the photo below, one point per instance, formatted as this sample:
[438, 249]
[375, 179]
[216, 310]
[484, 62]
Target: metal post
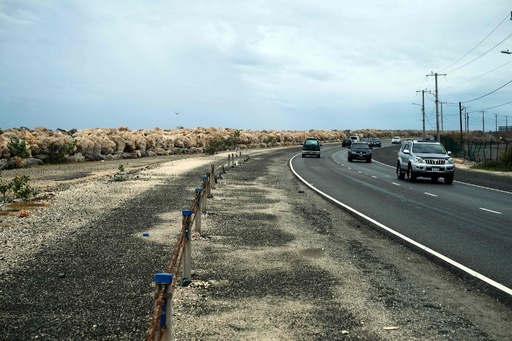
[198, 211]
[164, 280]
[229, 160]
[187, 250]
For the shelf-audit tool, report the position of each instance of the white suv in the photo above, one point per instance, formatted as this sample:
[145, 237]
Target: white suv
[425, 159]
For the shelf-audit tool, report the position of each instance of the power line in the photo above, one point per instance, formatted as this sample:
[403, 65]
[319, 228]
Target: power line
[493, 107]
[483, 74]
[480, 56]
[488, 93]
[458, 60]
[499, 105]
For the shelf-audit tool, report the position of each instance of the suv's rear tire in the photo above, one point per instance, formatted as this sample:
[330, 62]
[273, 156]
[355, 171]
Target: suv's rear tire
[448, 179]
[399, 173]
[410, 174]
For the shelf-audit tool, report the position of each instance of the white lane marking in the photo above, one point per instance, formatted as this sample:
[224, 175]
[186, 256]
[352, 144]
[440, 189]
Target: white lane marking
[448, 260]
[491, 211]
[396, 184]
[432, 195]
[461, 182]
[373, 176]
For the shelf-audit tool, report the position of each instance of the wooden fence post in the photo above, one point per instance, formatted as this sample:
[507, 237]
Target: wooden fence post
[208, 185]
[203, 203]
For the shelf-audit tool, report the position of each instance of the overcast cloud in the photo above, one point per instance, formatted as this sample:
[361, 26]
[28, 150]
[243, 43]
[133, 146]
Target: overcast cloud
[280, 64]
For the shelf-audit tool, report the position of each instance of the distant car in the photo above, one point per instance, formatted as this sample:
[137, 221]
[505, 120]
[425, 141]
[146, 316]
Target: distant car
[346, 142]
[311, 146]
[366, 140]
[360, 151]
[425, 159]
[396, 140]
[354, 138]
[376, 142]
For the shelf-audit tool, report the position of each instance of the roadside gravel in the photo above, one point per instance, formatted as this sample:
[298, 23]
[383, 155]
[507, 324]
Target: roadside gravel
[274, 262]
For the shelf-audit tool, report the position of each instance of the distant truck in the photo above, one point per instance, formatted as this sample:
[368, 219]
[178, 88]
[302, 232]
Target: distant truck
[354, 138]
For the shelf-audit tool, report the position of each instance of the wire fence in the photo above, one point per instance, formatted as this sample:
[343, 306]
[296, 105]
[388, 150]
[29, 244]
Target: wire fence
[181, 258]
[478, 151]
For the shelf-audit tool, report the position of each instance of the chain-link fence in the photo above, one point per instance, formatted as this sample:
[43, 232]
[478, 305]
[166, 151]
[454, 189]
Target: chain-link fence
[478, 151]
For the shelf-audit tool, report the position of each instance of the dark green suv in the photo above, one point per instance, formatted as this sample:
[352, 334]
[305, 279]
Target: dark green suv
[311, 146]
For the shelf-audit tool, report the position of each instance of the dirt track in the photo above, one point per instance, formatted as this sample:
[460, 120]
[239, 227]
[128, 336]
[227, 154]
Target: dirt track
[274, 262]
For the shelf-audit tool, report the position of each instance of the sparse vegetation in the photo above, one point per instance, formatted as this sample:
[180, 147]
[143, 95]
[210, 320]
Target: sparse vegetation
[121, 174]
[18, 147]
[5, 187]
[213, 146]
[270, 139]
[18, 188]
[21, 188]
[69, 147]
[502, 164]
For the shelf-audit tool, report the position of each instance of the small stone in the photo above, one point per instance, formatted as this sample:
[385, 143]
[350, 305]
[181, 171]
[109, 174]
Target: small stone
[62, 275]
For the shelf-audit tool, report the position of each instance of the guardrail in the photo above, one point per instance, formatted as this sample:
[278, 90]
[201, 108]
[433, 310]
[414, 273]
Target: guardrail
[181, 259]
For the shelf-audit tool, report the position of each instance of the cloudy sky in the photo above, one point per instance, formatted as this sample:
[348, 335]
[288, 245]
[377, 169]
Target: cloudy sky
[276, 64]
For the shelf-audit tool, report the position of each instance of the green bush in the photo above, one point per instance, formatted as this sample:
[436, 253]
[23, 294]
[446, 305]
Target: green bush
[18, 147]
[21, 188]
[5, 188]
[213, 146]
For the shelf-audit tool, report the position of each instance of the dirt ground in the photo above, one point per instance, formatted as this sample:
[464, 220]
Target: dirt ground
[274, 261]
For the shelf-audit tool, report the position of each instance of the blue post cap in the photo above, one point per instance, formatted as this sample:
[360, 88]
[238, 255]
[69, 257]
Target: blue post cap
[205, 177]
[186, 212]
[145, 234]
[163, 278]
[198, 190]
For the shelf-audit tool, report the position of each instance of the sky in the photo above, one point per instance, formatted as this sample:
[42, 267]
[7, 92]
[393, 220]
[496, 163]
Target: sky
[258, 65]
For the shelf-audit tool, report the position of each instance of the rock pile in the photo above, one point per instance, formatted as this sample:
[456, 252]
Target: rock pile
[42, 145]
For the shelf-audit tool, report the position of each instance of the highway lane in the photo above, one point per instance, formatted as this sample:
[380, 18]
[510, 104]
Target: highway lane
[467, 224]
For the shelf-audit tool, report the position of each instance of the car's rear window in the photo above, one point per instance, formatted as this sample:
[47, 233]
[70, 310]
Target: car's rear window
[360, 145]
[311, 142]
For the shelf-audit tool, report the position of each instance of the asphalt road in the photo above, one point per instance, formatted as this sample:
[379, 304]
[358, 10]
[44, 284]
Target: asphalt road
[468, 226]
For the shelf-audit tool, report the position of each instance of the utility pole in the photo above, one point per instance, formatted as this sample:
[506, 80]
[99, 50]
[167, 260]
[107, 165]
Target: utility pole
[483, 121]
[442, 121]
[460, 118]
[423, 108]
[506, 118]
[467, 119]
[437, 102]
[496, 117]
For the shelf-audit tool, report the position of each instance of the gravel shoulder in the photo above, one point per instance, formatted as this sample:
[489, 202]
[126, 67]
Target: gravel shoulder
[274, 262]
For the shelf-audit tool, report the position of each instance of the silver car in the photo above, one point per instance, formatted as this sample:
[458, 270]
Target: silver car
[425, 159]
